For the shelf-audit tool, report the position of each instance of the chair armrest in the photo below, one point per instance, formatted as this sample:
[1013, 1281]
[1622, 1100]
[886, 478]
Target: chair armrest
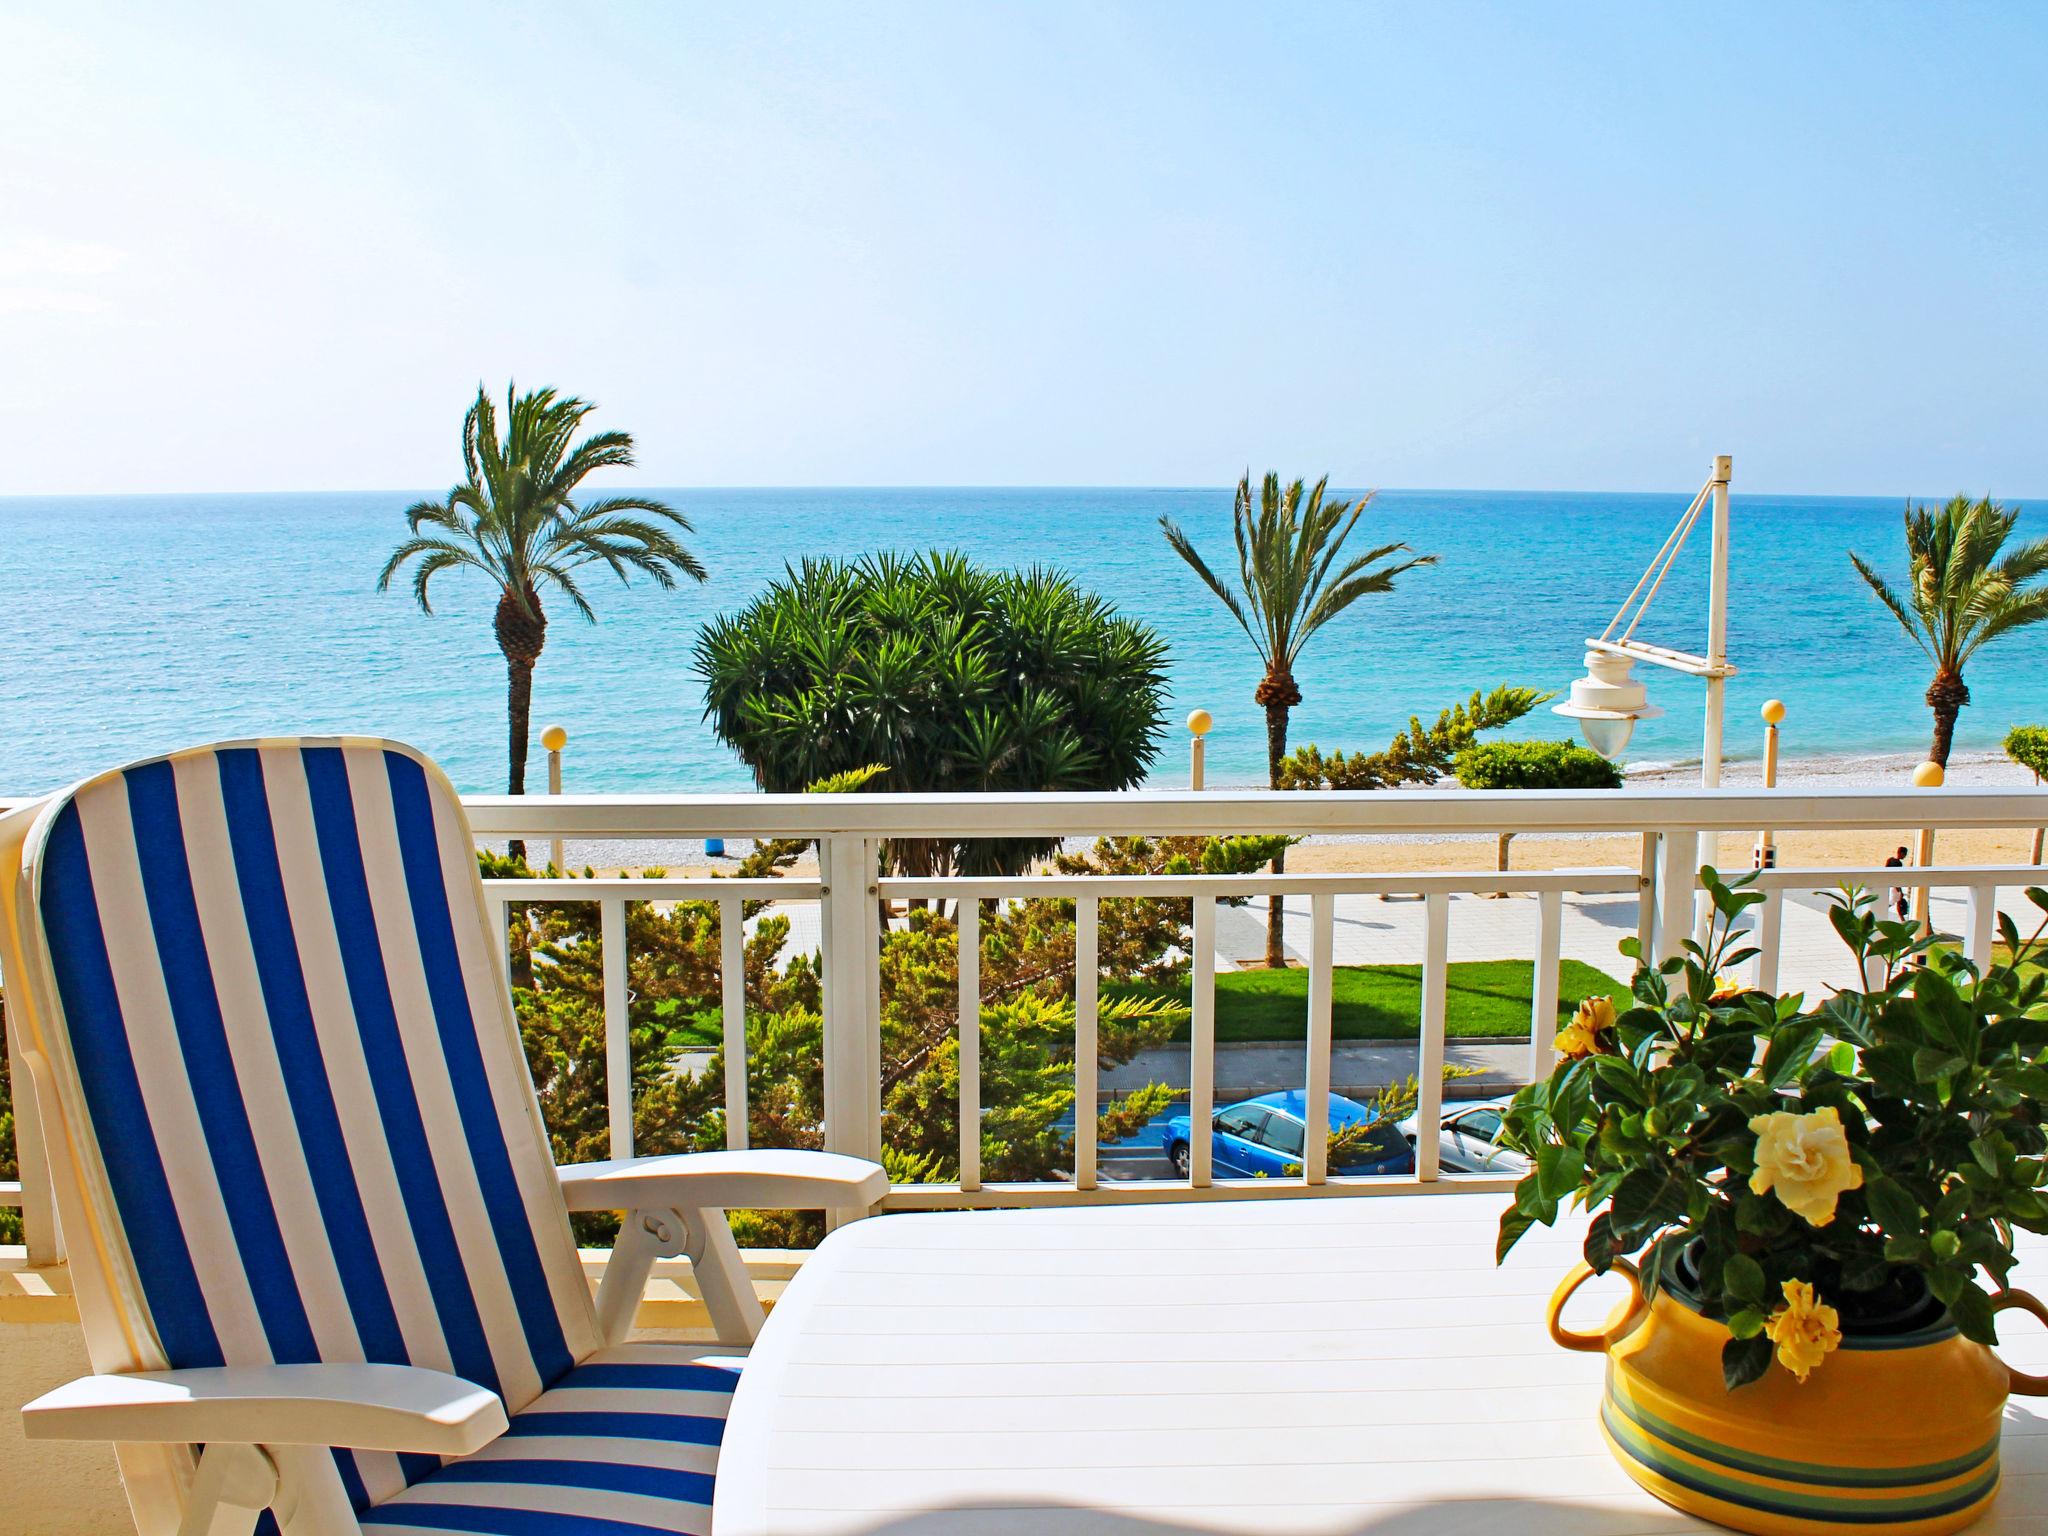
[360, 1407]
[767, 1180]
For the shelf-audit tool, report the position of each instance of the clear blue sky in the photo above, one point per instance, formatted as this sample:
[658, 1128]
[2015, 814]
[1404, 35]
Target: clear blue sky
[276, 246]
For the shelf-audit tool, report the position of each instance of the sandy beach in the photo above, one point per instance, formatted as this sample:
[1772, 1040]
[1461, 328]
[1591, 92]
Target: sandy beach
[1454, 851]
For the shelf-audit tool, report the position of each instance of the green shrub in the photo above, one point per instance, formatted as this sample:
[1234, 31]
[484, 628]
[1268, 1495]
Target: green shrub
[1535, 765]
[2027, 745]
[950, 676]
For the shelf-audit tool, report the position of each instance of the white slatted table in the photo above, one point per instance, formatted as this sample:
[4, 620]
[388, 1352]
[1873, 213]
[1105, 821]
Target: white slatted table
[1330, 1366]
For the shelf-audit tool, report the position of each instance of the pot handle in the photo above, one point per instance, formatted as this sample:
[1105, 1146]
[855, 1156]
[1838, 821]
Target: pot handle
[2020, 1381]
[1617, 1321]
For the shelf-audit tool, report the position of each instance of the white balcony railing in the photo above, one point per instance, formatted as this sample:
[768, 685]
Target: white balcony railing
[847, 830]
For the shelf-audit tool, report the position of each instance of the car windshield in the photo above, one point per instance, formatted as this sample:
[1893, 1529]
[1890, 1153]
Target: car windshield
[1482, 1124]
[1284, 1135]
[1376, 1143]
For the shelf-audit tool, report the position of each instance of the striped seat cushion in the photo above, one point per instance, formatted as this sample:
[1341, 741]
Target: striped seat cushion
[301, 1081]
[626, 1443]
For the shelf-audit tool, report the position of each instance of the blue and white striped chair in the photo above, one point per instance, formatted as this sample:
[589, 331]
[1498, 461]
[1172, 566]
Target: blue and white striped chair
[321, 1252]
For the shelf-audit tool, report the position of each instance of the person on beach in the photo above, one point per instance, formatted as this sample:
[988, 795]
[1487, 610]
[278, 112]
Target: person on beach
[1898, 861]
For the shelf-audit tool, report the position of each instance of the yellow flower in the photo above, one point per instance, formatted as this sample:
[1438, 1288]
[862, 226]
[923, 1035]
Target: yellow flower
[1581, 1037]
[1726, 989]
[1804, 1329]
[1806, 1159]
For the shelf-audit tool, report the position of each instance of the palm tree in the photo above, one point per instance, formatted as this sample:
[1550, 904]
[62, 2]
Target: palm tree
[1962, 596]
[515, 519]
[1290, 587]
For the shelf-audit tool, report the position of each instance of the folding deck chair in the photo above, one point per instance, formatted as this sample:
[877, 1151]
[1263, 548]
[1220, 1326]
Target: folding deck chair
[321, 1252]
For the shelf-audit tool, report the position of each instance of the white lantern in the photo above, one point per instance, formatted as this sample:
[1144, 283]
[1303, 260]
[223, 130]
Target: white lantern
[1607, 702]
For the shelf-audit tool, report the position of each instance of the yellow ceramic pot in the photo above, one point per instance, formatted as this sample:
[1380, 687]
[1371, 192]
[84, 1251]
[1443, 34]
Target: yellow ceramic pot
[1893, 1436]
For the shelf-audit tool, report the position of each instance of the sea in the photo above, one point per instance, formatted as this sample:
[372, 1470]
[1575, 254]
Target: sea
[137, 624]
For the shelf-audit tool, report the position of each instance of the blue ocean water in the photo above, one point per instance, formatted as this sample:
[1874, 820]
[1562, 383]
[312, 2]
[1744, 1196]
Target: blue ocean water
[139, 623]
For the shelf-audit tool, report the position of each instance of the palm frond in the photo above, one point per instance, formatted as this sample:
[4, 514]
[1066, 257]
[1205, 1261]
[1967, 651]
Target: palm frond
[1185, 548]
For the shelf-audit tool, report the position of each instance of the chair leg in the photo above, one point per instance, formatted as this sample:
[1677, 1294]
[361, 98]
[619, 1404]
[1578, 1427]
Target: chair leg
[700, 1234]
[625, 1273]
[234, 1484]
[722, 1279]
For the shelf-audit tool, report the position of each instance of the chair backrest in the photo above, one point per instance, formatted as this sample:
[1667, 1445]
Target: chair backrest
[297, 1122]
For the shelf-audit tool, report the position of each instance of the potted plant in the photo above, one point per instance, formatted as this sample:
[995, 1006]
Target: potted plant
[1814, 1210]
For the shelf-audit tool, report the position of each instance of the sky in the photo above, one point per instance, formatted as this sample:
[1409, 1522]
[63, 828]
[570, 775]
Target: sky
[263, 247]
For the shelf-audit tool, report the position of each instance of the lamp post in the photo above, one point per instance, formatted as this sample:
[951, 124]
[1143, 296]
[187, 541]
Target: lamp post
[1773, 712]
[1199, 723]
[1608, 701]
[1928, 775]
[554, 738]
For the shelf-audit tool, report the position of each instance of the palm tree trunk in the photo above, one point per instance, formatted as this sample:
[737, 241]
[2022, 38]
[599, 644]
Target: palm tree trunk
[1946, 696]
[1276, 906]
[522, 631]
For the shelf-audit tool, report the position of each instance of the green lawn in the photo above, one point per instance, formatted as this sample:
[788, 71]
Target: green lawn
[1384, 1002]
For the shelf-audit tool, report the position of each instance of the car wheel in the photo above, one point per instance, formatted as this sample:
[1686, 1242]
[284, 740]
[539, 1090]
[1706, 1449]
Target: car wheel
[1177, 1154]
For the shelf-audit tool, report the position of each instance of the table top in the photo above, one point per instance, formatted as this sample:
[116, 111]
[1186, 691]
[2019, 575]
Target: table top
[1334, 1366]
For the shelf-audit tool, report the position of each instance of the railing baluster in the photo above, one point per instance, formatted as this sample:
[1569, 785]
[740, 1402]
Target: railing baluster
[1322, 949]
[1675, 875]
[970, 1043]
[1429, 1076]
[1646, 894]
[1087, 1066]
[1202, 1044]
[1982, 924]
[618, 1037]
[1543, 983]
[852, 985]
[1770, 939]
[732, 985]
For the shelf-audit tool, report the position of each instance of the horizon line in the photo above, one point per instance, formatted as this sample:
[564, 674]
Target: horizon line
[1399, 490]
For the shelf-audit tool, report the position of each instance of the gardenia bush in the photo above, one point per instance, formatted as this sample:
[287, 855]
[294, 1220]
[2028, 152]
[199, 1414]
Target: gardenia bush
[1800, 1172]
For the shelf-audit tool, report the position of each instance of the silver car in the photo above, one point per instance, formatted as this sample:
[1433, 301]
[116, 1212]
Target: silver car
[1468, 1141]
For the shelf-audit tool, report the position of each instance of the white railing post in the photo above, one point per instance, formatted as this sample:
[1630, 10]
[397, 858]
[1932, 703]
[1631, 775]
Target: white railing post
[1087, 1069]
[39, 1233]
[1770, 939]
[1322, 949]
[1202, 1044]
[853, 1049]
[1982, 925]
[1676, 875]
[1543, 983]
[1646, 895]
[618, 1034]
[732, 987]
[970, 1043]
[1429, 1074]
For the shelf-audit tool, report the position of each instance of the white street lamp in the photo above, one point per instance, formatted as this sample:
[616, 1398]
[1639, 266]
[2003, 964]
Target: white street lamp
[1608, 701]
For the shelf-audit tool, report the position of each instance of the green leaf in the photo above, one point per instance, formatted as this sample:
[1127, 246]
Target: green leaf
[1559, 1170]
[1944, 1244]
[1512, 1225]
[1743, 1278]
[1600, 1244]
[1647, 1199]
[1893, 1206]
[1744, 1360]
[1747, 1323]
[1971, 1309]
[1789, 1054]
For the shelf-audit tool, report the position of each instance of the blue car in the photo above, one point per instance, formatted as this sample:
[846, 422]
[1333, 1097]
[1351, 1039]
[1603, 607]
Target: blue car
[1263, 1137]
